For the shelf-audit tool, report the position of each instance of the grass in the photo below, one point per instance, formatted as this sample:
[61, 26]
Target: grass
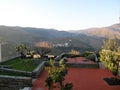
[21, 64]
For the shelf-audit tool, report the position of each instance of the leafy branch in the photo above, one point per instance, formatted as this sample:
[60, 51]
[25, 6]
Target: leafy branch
[56, 76]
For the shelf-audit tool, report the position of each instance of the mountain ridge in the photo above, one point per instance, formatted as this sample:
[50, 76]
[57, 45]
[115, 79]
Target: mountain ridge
[82, 40]
[109, 32]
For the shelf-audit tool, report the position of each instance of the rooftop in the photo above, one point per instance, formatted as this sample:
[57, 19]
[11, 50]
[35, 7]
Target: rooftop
[82, 78]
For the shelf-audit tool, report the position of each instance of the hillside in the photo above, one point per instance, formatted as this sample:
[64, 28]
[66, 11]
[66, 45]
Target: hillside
[14, 34]
[108, 32]
[10, 37]
[20, 34]
[33, 35]
[82, 40]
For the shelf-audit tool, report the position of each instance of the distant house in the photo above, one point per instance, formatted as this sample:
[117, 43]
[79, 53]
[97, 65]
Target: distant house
[50, 56]
[61, 45]
[35, 56]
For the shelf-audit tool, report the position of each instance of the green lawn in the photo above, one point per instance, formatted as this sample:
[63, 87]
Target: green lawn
[21, 64]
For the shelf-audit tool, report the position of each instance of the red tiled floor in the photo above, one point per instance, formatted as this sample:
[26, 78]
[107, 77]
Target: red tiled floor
[82, 79]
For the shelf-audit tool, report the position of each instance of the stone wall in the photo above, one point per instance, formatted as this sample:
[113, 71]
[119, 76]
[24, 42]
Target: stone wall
[16, 72]
[41, 67]
[14, 83]
[79, 65]
[38, 70]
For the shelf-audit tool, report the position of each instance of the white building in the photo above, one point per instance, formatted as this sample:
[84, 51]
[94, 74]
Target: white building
[0, 53]
[61, 45]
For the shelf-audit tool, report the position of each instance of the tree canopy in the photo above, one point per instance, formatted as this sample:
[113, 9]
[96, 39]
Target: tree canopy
[43, 48]
[110, 55]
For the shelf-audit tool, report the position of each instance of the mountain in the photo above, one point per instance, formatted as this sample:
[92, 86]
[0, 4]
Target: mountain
[107, 32]
[33, 35]
[81, 40]
[20, 34]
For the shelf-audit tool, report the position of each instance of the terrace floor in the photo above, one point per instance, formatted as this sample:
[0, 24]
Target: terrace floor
[82, 78]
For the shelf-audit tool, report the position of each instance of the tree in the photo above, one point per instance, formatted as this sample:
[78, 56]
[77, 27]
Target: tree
[22, 49]
[110, 44]
[74, 52]
[56, 76]
[43, 48]
[110, 54]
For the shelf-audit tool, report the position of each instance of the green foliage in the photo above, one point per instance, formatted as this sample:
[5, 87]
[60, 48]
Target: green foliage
[87, 53]
[22, 49]
[71, 55]
[18, 64]
[68, 86]
[74, 52]
[56, 76]
[110, 44]
[91, 57]
[110, 55]
[49, 83]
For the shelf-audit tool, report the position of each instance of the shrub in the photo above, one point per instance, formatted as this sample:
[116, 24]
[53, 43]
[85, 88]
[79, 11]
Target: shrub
[74, 52]
[56, 76]
[71, 55]
[110, 54]
[87, 53]
[91, 57]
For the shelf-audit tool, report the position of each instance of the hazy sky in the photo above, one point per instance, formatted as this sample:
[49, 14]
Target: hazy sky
[59, 14]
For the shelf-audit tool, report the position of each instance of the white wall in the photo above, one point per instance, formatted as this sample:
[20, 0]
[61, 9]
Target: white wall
[0, 53]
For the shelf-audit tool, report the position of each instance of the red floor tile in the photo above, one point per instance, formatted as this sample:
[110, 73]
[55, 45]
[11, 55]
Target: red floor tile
[82, 79]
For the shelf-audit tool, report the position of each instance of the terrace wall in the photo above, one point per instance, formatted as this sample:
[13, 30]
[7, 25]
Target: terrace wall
[41, 67]
[79, 65]
[14, 83]
[38, 70]
[16, 72]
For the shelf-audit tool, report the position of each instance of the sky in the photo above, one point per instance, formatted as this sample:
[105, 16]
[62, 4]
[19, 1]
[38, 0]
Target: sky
[59, 14]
